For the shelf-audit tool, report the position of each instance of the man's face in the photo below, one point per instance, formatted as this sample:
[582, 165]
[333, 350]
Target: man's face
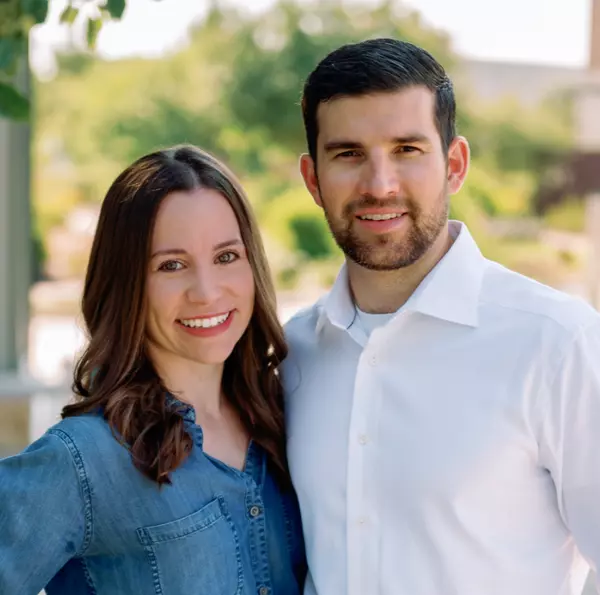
[381, 176]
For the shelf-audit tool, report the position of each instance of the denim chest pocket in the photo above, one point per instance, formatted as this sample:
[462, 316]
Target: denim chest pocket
[197, 554]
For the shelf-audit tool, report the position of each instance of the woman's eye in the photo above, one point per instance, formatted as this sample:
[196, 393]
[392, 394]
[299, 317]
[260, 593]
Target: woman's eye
[227, 257]
[170, 266]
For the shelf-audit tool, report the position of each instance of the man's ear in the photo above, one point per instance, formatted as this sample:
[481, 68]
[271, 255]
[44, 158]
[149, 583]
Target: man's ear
[308, 169]
[458, 163]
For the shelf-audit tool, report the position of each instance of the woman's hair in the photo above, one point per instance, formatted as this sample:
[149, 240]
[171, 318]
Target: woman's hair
[115, 376]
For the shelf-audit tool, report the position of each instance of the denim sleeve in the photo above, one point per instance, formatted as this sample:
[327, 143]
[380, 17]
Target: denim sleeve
[45, 512]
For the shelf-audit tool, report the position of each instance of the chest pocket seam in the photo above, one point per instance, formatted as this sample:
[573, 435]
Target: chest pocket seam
[201, 520]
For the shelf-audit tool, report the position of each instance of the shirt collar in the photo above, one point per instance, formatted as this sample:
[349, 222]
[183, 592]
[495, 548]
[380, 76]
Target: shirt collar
[186, 411]
[449, 292]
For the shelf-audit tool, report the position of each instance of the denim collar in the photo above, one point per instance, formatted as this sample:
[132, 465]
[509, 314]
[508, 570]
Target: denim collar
[186, 411]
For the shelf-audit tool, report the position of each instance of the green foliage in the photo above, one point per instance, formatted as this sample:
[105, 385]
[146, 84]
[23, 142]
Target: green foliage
[10, 49]
[34, 12]
[116, 8]
[69, 14]
[235, 91]
[310, 236]
[93, 27]
[499, 192]
[298, 224]
[568, 216]
[275, 52]
[12, 104]
[17, 17]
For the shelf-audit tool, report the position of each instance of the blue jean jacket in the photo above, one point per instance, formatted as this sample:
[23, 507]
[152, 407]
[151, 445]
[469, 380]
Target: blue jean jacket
[77, 518]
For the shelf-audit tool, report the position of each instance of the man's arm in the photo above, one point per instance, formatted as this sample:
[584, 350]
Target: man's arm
[570, 444]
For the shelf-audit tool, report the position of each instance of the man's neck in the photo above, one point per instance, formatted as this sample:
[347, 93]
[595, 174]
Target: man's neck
[383, 292]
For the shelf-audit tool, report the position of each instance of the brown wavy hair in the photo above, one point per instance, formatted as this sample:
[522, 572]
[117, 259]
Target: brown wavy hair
[115, 376]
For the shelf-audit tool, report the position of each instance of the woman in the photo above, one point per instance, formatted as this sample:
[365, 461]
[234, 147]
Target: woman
[168, 473]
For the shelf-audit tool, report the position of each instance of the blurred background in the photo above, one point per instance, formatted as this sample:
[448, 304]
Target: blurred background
[108, 82]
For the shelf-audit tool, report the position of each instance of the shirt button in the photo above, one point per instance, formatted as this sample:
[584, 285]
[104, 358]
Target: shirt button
[254, 512]
[373, 360]
[362, 520]
[263, 591]
[362, 439]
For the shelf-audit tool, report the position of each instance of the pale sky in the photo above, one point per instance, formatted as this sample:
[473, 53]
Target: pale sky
[540, 31]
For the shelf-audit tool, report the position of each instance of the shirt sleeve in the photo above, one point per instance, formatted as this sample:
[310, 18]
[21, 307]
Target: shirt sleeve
[43, 506]
[570, 448]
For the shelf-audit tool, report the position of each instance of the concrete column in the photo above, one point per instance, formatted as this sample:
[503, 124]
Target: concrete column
[15, 237]
[588, 137]
[594, 62]
[592, 217]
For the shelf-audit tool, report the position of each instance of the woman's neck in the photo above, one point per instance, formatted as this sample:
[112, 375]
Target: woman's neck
[198, 385]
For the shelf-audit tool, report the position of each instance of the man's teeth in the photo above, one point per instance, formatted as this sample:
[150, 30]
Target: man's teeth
[205, 322]
[380, 217]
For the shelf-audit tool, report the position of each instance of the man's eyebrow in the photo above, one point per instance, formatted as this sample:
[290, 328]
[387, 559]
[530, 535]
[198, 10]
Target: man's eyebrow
[337, 145]
[347, 144]
[410, 139]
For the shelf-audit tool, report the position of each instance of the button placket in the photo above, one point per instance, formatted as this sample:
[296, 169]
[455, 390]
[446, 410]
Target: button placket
[257, 525]
[364, 418]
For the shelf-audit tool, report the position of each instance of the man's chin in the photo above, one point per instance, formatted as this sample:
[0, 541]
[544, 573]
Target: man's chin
[391, 261]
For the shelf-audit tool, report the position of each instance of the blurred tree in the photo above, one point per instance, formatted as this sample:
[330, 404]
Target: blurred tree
[17, 17]
[235, 90]
[274, 52]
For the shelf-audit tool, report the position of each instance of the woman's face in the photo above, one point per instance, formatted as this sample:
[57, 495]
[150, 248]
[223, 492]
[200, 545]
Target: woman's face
[200, 289]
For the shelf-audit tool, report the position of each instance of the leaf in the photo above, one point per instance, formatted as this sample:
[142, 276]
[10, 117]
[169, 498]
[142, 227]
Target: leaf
[93, 28]
[38, 9]
[116, 8]
[11, 49]
[69, 14]
[13, 105]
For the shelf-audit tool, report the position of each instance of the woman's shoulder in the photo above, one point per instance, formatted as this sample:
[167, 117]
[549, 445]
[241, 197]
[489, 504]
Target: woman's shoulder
[86, 433]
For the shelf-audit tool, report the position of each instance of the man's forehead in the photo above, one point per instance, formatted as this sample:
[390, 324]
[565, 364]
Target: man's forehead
[405, 108]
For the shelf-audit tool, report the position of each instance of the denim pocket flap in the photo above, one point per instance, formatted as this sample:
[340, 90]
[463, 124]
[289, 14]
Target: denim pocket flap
[207, 516]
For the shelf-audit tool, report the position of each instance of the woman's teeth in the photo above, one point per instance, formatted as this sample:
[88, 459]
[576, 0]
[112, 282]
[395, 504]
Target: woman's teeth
[205, 322]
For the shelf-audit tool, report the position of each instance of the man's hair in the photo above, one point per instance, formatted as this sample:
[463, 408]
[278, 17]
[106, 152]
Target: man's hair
[377, 66]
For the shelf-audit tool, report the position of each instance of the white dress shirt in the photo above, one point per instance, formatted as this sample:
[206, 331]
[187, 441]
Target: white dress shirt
[456, 449]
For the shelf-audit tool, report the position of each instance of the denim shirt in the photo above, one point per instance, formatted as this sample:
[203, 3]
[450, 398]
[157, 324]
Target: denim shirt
[76, 517]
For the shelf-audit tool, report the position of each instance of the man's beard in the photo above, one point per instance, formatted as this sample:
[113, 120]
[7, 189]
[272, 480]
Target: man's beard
[384, 252]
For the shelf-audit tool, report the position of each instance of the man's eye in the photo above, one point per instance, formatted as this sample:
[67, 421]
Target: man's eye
[408, 149]
[350, 153]
[170, 266]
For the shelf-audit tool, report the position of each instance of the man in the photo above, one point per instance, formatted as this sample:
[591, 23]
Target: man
[443, 411]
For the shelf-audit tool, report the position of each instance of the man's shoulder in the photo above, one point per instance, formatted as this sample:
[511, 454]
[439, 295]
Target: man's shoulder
[518, 295]
[303, 324]
[302, 337]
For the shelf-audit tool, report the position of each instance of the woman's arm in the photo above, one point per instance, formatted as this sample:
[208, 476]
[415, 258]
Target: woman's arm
[45, 512]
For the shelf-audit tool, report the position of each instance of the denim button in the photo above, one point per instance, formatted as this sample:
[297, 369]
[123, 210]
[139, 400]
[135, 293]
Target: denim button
[263, 591]
[254, 512]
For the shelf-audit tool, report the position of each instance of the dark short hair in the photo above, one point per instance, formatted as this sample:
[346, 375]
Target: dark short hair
[377, 66]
